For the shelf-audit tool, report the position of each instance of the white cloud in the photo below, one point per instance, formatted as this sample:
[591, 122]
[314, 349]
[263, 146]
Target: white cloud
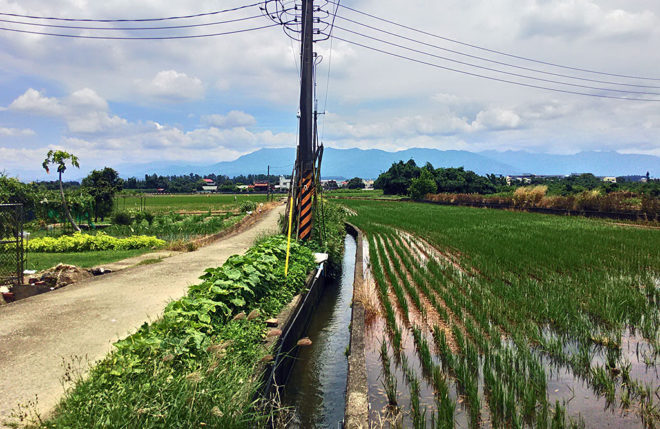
[174, 86]
[84, 111]
[496, 119]
[36, 103]
[16, 132]
[572, 18]
[232, 119]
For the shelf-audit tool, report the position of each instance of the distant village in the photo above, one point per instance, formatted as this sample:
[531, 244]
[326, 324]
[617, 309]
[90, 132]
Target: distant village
[283, 186]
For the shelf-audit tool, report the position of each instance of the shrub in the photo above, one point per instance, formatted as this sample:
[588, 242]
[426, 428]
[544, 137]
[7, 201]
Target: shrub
[529, 196]
[248, 206]
[79, 242]
[122, 218]
[149, 217]
[423, 185]
[588, 201]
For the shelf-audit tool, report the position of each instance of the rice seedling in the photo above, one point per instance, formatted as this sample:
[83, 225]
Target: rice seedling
[389, 381]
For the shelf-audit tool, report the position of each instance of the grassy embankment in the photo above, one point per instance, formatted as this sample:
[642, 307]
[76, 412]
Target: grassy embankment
[516, 297]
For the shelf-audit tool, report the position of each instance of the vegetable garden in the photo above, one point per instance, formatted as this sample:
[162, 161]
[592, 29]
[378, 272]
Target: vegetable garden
[507, 319]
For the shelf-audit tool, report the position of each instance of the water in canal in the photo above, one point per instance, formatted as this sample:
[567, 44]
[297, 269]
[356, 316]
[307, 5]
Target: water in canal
[317, 385]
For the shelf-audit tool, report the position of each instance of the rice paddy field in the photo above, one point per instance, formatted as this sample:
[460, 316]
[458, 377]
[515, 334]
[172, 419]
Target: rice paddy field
[490, 318]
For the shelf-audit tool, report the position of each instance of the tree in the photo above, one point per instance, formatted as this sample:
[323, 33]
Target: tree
[60, 158]
[423, 185]
[102, 185]
[355, 183]
[397, 180]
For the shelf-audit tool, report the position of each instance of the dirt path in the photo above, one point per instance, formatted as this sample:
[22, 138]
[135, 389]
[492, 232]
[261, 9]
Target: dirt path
[84, 319]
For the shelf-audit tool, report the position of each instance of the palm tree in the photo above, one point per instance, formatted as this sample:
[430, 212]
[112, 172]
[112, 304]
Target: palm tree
[60, 158]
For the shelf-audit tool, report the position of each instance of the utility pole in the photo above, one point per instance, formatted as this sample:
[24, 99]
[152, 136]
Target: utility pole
[268, 185]
[306, 137]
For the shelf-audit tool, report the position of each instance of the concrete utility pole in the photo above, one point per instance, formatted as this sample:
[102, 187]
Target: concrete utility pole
[268, 185]
[306, 136]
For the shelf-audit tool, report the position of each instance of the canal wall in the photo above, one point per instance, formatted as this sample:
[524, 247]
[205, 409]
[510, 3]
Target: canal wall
[356, 414]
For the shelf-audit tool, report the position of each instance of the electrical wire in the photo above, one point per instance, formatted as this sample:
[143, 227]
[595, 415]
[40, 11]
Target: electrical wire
[170, 27]
[575, 85]
[491, 60]
[491, 77]
[327, 82]
[170, 18]
[194, 36]
[493, 50]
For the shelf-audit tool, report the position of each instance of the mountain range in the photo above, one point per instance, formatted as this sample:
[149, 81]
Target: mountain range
[370, 163]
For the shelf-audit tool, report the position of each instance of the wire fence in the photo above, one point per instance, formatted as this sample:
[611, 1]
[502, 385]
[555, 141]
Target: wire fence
[12, 251]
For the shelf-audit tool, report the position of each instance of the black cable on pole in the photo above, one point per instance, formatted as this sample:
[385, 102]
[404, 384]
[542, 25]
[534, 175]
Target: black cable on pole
[170, 18]
[493, 50]
[575, 85]
[491, 77]
[491, 60]
[195, 36]
[169, 27]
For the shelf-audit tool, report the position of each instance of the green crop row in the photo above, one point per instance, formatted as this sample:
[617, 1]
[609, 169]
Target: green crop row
[79, 242]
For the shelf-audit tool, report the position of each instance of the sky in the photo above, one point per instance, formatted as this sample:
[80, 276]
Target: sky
[206, 100]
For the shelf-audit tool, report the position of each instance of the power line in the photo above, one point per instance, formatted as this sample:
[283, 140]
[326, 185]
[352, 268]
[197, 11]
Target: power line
[492, 60]
[491, 77]
[170, 27]
[493, 50]
[575, 85]
[170, 18]
[327, 82]
[194, 36]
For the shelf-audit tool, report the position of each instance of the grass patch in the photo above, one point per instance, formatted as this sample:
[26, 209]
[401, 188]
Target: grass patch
[42, 261]
[149, 261]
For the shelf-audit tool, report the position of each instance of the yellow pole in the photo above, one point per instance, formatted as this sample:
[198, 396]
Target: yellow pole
[288, 240]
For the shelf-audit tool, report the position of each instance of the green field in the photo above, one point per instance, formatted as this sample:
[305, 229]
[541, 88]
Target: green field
[201, 202]
[361, 193]
[166, 224]
[511, 316]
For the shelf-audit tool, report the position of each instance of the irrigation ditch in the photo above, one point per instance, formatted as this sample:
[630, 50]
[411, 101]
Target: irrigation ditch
[323, 382]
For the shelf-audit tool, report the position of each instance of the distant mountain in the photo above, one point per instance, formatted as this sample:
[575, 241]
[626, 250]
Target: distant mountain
[370, 163]
[598, 163]
[358, 162]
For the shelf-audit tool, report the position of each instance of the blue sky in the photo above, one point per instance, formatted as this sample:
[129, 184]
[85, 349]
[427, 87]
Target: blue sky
[209, 100]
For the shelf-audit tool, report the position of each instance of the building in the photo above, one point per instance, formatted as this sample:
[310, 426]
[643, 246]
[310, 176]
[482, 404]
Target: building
[209, 186]
[609, 179]
[260, 187]
[284, 185]
[329, 185]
